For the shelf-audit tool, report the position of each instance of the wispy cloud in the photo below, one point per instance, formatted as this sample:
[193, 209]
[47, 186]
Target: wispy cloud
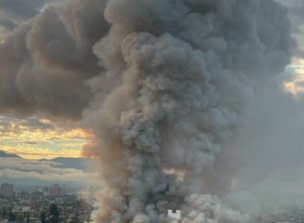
[41, 153]
[42, 170]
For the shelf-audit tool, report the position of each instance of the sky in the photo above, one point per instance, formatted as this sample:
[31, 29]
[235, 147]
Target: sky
[35, 137]
[38, 136]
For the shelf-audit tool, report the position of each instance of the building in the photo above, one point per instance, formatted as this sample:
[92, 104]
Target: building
[176, 215]
[46, 191]
[56, 190]
[36, 195]
[7, 190]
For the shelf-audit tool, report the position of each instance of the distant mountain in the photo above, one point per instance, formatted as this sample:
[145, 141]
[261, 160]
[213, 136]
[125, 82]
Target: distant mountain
[8, 155]
[59, 162]
[74, 163]
[39, 179]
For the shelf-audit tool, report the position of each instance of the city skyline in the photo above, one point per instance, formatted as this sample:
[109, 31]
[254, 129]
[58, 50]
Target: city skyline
[43, 203]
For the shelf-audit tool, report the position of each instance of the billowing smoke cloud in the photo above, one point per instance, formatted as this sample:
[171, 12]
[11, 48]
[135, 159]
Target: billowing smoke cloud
[161, 82]
[182, 72]
[296, 14]
[45, 62]
[14, 12]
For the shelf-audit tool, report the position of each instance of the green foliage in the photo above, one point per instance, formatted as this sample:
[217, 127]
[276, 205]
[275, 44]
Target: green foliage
[11, 215]
[54, 214]
[42, 217]
[27, 217]
[75, 219]
[4, 212]
[20, 218]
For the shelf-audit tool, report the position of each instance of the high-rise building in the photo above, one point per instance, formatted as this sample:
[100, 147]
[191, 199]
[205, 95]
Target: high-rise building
[7, 190]
[56, 190]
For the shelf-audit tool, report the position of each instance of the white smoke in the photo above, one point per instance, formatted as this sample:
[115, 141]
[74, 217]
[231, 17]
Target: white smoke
[206, 208]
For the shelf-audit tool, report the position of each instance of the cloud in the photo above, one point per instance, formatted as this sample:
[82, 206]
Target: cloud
[8, 24]
[23, 9]
[294, 77]
[265, 157]
[295, 71]
[37, 137]
[41, 128]
[297, 8]
[296, 14]
[16, 168]
[31, 142]
[46, 62]
[14, 12]
[36, 152]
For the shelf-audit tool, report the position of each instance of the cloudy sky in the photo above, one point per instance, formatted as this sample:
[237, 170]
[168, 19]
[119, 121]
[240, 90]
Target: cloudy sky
[28, 133]
[39, 136]
[35, 137]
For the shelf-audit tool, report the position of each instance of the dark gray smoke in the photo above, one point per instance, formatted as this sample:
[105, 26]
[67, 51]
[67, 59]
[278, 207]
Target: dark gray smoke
[14, 12]
[296, 15]
[45, 62]
[178, 76]
[162, 83]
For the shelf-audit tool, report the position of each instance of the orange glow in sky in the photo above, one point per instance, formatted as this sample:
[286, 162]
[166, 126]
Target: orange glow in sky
[42, 138]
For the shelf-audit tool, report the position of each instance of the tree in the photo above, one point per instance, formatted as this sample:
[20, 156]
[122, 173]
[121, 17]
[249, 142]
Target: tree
[23, 194]
[27, 217]
[11, 215]
[75, 219]
[20, 218]
[54, 214]
[77, 204]
[42, 217]
[4, 211]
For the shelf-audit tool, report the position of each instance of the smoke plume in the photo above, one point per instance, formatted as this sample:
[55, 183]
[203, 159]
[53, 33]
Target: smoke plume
[161, 82]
